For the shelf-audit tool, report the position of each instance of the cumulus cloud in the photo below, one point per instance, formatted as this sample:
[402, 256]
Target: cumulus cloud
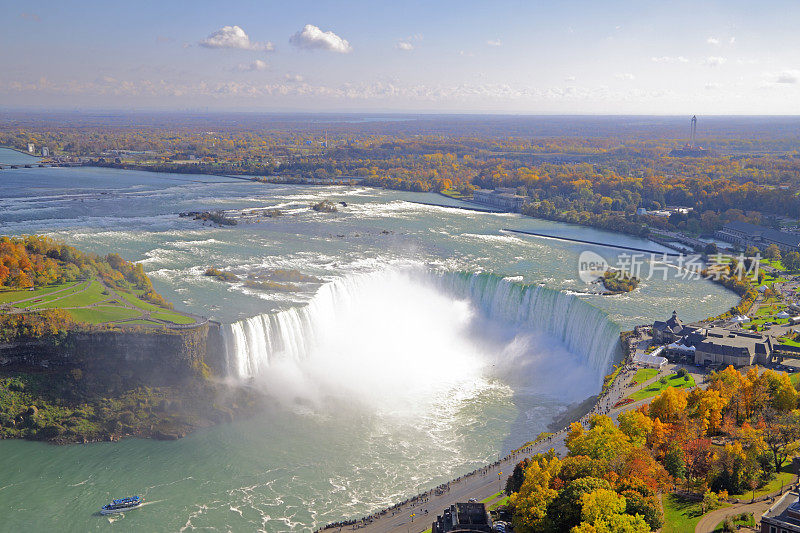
[713, 40]
[570, 79]
[313, 38]
[712, 86]
[404, 45]
[234, 37]
[714, 61]
[296, 78]
[669, 59]
[495, 42]
[732, 40]
[788, 76]
[626, 76]
[252, 67]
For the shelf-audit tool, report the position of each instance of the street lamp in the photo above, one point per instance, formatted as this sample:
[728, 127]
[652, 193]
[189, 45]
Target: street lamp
[499, 482]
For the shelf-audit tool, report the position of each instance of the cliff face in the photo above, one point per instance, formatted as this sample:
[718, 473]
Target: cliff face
[146, 357]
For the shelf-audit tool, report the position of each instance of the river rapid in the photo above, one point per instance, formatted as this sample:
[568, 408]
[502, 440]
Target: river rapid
[431, 343]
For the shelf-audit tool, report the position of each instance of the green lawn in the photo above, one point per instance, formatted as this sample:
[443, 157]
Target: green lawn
[644, 375]
[498, 503]
[656, 387]
[680, 516]
[789, 342]
[136, 302]
[492, 497]
[102, 313]
[139, 322]
[175, 318]
[14, 296]
[785, 477]
[768, 310]
[773, 263]
[455, 194]
[93, 294]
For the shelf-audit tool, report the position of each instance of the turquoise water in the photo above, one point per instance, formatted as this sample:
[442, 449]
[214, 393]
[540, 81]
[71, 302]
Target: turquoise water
[356, 423]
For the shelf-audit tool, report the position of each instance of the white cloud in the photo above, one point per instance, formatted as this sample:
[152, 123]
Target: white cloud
[464, 53]
[788, 76]
[313, 38]
[570, 79]
[404, 45]
[495, 42]
[732, 40]
[712, 86]
[252, 67]
[234, 37]
[626, 76]
[297, 78]
[714, 61]
[669, 59]
[713, 40]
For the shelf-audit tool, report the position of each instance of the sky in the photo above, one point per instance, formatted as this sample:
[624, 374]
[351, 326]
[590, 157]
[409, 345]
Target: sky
[527, 57]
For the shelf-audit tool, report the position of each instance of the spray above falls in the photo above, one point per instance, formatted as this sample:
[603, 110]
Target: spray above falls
[419, 331]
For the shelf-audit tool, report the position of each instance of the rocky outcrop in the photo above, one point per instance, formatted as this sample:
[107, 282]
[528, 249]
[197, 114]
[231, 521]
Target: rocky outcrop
[151, 357]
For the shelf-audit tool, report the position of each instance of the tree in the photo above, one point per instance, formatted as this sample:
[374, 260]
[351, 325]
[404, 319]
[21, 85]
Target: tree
[603, 510]
[604, 440]
[710, 501]
[791, 261]
[669, 405]
[531, 502]
[565, 510]
[674, 462]
[773, 252]
[780, 432]
[636, 425]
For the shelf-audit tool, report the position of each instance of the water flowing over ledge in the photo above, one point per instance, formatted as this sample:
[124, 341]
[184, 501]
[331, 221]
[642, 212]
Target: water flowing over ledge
[254, 344]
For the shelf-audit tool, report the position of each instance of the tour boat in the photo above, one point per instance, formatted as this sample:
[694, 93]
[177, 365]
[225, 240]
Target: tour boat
[121, 505]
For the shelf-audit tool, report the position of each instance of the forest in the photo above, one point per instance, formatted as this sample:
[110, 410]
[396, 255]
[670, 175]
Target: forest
[726, 441]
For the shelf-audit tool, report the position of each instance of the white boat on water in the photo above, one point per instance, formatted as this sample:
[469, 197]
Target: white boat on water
[121, 505]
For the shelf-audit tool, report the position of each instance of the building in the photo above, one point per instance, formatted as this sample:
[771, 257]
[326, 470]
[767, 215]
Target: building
[737, 347]
[503, 198]
[45, 151]
[669, 331]
[650, 360]
[31, 148]
[470, 516]
[745, 234]
[783, 516]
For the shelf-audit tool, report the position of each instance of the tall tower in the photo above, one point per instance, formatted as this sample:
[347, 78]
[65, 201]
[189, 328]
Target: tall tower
[694, 130]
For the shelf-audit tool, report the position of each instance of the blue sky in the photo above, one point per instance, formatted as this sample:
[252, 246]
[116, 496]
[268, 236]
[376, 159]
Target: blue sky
[654, 57]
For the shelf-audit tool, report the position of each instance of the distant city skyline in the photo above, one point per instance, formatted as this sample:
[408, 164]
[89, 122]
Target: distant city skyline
[628, 57]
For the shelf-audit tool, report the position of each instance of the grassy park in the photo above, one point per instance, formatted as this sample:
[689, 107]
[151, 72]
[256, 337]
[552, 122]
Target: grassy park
[93, 302]
[643, 375]
[658, 386]
[681, 514]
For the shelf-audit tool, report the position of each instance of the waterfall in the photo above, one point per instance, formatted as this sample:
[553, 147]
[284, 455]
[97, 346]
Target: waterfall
[584, 329]
[406, 311]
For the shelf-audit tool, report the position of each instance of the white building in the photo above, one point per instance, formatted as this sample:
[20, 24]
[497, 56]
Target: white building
[31, 148]
[45, 151]
[650, 360]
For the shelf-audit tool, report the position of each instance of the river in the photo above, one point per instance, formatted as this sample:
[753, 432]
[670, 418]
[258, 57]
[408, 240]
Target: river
[433, 342]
